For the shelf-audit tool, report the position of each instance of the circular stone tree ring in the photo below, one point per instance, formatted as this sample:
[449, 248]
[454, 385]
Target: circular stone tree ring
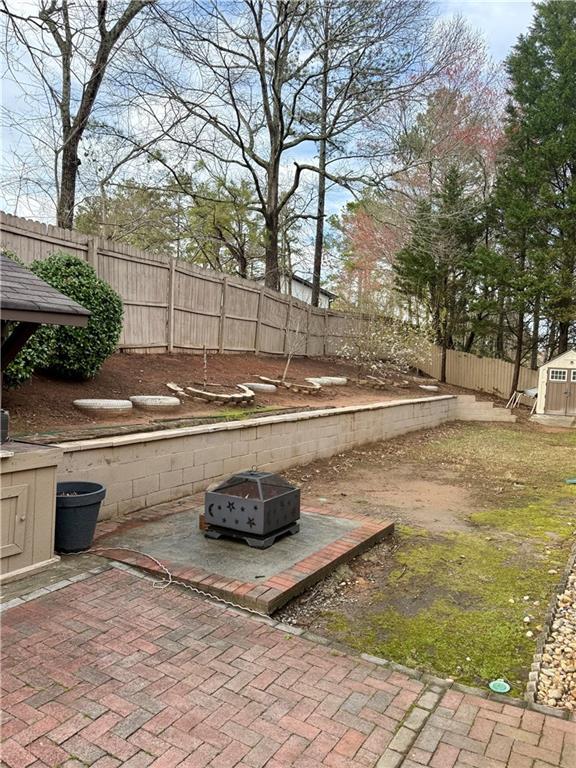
[155, 402]
[102, 407]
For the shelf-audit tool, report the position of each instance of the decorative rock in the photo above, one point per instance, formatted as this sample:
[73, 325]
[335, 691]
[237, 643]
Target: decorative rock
[429, 387]
[372, 382]
[328, 381]
[103, 407]
[155, 402]
[260, 386]
[294, 386]
[556, 685]
[244, 397]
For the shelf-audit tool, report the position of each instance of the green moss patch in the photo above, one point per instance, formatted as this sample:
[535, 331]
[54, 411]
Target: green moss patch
[551, 517]
[472, 626]
[455, 604]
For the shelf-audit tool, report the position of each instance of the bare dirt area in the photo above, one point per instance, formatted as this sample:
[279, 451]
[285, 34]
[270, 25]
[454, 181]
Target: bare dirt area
[407, 494]
[44, 405]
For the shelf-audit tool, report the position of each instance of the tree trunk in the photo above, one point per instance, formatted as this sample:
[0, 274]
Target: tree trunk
[567, 303]
[518, 353]
[321, 207]
[535, 334]
[242, 265]
[563, 337]
[470, 341]
[67, 195]
[272, 223]
[499, 349]
[272, 276]
[320, 213]
[551, 345]
[519, 326]
[445, 343]
[443, 363]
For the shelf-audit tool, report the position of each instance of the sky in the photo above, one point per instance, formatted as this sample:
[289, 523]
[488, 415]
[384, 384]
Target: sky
[500, 22]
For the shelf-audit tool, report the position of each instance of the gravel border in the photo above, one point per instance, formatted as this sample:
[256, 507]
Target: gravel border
[536, 668]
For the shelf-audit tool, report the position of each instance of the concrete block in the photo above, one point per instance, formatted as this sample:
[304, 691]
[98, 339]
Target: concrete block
[131, 505]
[142, 486]
[171, 479]
[192, 474]
[213, 469]
[208, 455]
[118, 492]
[160, 497]
[108, 511]
[182, 460]
[239, 463]
[240, 448]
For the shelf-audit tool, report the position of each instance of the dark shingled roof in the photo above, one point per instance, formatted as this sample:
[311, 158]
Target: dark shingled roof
[27, 298]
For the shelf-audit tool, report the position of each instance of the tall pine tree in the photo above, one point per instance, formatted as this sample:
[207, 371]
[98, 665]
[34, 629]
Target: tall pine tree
[536, 187]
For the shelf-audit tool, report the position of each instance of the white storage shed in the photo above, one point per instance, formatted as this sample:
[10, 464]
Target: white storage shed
[557, 386]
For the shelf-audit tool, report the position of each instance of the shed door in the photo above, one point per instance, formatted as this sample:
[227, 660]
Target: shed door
[561, 392]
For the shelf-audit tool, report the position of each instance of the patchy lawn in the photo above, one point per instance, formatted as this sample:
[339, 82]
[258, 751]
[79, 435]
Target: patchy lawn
[485, 525]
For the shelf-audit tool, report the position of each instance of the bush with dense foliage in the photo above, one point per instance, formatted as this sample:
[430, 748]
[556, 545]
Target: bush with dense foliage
[78, 353]
[70, 352]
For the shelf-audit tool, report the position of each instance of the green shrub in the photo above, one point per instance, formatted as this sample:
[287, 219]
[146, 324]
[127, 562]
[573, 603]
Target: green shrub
[35, 354]
[78, 353]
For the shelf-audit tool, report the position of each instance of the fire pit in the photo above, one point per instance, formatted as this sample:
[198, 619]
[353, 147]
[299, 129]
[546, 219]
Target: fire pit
[257, 507]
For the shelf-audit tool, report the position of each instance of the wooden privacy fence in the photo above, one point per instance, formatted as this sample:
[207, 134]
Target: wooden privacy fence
[170, 305]
[485, 374]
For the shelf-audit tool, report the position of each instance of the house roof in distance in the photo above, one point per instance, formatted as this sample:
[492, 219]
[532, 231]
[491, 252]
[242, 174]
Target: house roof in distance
[296, 278]
[303, 280]
[25, 297]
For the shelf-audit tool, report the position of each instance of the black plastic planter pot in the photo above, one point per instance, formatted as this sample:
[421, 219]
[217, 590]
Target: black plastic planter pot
[77, 507]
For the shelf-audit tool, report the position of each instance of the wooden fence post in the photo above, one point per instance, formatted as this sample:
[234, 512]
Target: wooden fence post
[170, 318]
[308, 316]
[325, 334]
[222, 325]
[259, 321]
[92, 252]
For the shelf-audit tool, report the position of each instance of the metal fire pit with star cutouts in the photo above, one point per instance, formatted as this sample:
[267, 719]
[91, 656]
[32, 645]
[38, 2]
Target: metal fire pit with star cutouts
[256, 507]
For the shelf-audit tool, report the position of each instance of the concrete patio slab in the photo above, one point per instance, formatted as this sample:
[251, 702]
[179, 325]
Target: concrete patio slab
[262, 580]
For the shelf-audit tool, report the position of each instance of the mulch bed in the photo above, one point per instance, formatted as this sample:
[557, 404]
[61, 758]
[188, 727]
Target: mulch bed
[45, 404]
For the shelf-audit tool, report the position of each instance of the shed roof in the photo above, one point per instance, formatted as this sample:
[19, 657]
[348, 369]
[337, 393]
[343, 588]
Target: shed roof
[25, 297]
[566, 358]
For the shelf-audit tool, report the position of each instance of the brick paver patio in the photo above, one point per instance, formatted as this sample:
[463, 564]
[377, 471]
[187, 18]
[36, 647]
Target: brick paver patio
[110, 671]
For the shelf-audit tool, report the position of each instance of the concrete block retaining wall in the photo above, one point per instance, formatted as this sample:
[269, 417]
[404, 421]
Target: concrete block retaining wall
[140, 470]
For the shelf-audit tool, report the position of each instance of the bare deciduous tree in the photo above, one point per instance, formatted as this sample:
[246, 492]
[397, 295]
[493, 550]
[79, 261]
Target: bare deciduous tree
[66, 49]
[378, 58]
